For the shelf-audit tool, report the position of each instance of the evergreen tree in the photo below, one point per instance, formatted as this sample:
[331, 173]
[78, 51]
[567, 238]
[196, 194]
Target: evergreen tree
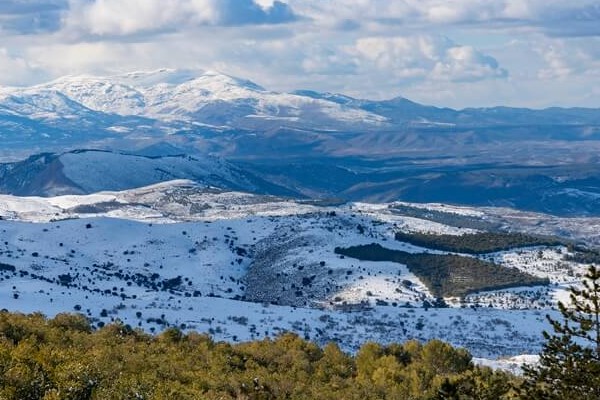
[569, 366]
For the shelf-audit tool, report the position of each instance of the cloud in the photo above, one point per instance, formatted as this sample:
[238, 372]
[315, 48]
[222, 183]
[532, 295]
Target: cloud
[445, 52]
[566, 58]
[15, 70]
[425, 57]
[553, 17]
[118, 17]
[322, 60]
[28, 17]
[108, 18]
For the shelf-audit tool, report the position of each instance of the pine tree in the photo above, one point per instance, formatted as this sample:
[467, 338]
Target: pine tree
[569, 366]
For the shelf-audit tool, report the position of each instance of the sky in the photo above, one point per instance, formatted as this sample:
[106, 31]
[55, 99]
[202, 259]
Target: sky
[454, 53]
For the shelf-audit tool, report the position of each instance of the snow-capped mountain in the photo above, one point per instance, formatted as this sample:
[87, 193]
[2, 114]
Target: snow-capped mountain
[203, 106]
[42, 105]
[206, 97]
[194, 98]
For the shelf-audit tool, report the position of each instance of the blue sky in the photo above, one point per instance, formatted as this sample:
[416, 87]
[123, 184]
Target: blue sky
[468, 53]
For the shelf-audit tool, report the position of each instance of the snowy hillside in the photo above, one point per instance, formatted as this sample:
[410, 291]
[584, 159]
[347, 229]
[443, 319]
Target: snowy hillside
[242, 266]
[90, 171]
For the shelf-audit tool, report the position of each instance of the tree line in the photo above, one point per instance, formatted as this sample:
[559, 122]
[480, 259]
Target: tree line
[475, 243]
[65, 358]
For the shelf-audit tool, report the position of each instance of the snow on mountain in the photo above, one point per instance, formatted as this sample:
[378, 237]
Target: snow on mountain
[99, 94]
[204, 97]
[42, 105]
[243, 266]
[173, 201]
[204, 103]
[165, 76]
[42, 119]
[220, 114]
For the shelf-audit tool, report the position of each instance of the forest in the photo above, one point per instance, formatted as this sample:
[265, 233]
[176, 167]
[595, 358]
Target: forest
[447, 275]
[582, 255]
[475, 243]
[65, 358]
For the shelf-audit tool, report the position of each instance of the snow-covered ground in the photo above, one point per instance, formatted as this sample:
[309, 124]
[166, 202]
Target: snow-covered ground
[243, 266]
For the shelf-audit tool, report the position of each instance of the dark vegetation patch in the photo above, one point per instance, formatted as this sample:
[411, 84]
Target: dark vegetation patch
[173, 283]
[447, 274]
[476, 243]
[582, 255]
[7, 267]
[446, 217]
[97, 208]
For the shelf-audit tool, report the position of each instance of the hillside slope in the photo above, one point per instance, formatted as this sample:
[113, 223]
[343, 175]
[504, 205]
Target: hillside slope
[243, 266]
[90, 171]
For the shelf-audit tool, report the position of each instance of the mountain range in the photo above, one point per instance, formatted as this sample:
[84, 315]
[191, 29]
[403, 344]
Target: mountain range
[166, 102]
[302, 144]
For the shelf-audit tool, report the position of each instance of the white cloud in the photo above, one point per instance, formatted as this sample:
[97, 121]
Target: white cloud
[446, 52]
[15, 70]
[426, 57]
[114, 17]
[119, 17]
[555, 17]
[565, 58]
[81, 58]
[557, 65]
[322, 60]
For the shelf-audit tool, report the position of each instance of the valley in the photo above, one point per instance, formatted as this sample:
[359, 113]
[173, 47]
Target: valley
[243, 266]
[285, 199]
[197, 200]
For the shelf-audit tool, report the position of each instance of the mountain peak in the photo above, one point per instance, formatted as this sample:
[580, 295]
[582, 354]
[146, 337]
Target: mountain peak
[218, 77]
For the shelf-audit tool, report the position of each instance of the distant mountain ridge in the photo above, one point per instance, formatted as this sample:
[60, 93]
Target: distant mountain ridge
[90, 171]
[236, 118]
[199, 96]
[219, 100]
